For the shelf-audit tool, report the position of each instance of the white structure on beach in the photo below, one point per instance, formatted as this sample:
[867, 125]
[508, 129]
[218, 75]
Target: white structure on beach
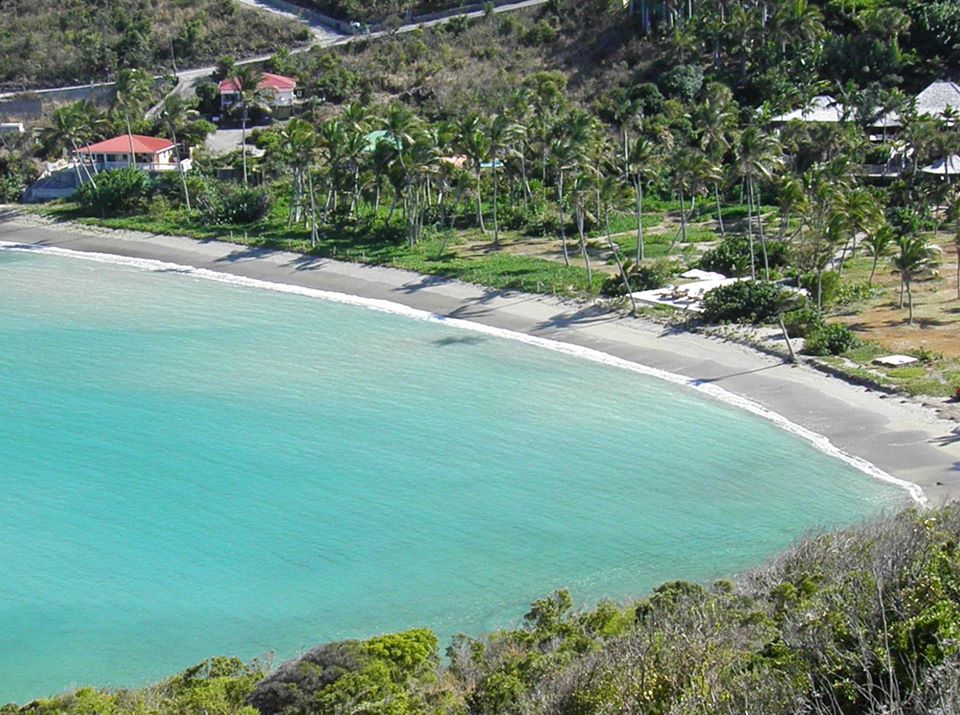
[152, 154]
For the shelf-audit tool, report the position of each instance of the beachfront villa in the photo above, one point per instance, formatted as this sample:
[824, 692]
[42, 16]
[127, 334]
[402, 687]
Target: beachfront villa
[279, 92]
[153, 154]
[61, 179]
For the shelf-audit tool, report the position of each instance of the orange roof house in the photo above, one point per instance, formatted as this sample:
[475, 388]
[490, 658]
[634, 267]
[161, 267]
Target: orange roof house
[149, 153]
[278, 89]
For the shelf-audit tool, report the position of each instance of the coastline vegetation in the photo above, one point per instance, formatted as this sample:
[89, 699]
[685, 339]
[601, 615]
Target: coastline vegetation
[864, 620]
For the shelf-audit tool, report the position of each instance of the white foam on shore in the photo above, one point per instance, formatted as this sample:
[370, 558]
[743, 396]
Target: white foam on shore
[818, 441]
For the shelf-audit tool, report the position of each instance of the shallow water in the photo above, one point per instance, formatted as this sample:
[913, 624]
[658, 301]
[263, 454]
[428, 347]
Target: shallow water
[192, 469]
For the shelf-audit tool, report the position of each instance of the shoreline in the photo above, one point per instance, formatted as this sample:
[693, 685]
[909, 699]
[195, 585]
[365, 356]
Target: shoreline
[888, 434]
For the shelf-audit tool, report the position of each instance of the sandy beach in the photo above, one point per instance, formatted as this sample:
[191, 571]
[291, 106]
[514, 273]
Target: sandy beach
[901, 437]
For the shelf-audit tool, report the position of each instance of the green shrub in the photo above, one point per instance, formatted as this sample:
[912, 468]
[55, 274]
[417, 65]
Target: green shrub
[228, 203]
[742, 302]
[854, 293]
[833, 339]
[732, 256]
[803, 321]
[646, 275]
[541, 33]
[829, 285]
[115, 192]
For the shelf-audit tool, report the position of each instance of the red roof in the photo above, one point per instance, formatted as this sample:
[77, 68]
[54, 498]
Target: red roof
[121, 145]
[269, 81]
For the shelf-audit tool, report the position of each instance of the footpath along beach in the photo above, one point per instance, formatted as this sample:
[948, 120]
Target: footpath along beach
[901, 437]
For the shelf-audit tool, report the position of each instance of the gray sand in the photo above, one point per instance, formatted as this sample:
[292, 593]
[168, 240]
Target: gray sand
[901, 437]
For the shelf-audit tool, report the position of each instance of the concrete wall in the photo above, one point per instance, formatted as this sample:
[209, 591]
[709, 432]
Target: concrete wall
[31, 106]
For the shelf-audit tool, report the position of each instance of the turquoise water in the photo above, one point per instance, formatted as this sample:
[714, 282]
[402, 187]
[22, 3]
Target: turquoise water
[190, 469]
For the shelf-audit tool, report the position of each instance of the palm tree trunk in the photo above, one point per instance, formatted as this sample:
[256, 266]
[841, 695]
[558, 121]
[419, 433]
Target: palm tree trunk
[483, 229]
[786, 337]
[716, 193]
[581, 210]
[623, 273]
[763, 241]
[873, 270]
[638, 190]
[132, 160]
[753, 255]
[313, 210]
[563, 231]
[496, 225]
[909, 303]
[183, 178]
[243, 143]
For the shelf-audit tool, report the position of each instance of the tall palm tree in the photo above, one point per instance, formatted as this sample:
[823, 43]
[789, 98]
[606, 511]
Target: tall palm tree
[66, 130]
[175, 113]
[501, 131]
[691, 169]
[916, 256]
[299, 142]
[581, 190]
[717, 119]
[133, 90]
[643, 160]
[249, 95]
[878, 243]
[612, 195]
[472, 139]
[857, 211]
[758, 156]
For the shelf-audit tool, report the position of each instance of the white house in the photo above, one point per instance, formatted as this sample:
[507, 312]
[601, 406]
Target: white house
[149, 153]
[278, 90]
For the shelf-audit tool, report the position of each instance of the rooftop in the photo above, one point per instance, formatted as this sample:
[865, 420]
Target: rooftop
[121, 145]
[822, 108]
[935, 99]
[268, 81]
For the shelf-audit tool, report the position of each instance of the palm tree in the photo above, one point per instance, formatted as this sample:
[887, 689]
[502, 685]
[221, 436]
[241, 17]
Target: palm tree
[500, 132]
[691, 169]
[612, 194]
[878, 244]
[299, 142]
[249, 94]
[855, 211]
[643, 160]
[400, 124]
[580, 191]
[175, 113]
[66, 129]
[758, 154]
[717, 120]
[916, 256]
[472, 139]
[133, 90]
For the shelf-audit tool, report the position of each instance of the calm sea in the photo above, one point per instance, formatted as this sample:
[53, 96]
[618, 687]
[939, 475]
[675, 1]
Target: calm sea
[191, 469]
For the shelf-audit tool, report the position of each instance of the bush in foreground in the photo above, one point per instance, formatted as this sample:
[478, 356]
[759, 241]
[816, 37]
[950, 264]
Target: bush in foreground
[834, 339]
[746, 301]
[114, 192]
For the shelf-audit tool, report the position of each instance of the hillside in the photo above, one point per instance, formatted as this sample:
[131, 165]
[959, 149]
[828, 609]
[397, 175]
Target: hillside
[48, 43]
[865, 620]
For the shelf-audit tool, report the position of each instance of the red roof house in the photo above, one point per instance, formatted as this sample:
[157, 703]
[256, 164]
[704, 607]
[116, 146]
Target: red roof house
[149, 153]
[278, 89]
